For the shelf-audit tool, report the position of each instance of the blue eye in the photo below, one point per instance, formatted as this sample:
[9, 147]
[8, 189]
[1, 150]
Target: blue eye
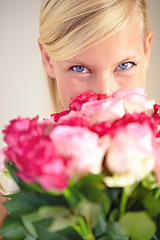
[79, 69]
[125, 66]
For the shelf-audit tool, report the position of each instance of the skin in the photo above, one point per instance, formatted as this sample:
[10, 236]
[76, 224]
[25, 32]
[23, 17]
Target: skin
[3, 211]
[120, 61]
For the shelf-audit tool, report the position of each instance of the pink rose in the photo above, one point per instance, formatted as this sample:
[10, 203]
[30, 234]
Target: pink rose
[156, 116]
[18, 135]
[74, 118]
[156, 168]
[76, 103]
[108, 109]
[156, 113]
[34, 154]
[135, 100]
[41, 163]
[57, 116]
[110, 128]
[21, 130]
[81, 146]
[38, 161]
[137, 95]
[131, 154]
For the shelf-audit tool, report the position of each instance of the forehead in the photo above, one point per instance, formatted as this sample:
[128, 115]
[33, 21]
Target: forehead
[126, 43]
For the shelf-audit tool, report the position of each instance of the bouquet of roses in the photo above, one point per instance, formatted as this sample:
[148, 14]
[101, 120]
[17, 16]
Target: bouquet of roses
[91, 172]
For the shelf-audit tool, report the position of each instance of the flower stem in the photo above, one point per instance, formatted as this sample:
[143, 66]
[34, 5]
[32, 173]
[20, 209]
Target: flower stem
[123, 203]
[90, 236]
[86, 230]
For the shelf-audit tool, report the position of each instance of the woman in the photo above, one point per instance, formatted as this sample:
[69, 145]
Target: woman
[95, 45]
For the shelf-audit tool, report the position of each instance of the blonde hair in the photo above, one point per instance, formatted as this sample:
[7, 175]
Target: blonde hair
[68, 27]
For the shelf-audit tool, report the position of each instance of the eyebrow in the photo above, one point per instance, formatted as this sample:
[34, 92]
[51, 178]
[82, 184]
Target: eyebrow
[128, 59]
[78, 63]
[81, 63]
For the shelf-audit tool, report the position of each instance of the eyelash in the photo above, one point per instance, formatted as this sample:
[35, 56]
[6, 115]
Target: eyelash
[132, 65]
[72, 68]
[116, 69]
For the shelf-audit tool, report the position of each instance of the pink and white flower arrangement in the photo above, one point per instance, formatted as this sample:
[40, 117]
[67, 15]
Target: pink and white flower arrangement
[96, 166]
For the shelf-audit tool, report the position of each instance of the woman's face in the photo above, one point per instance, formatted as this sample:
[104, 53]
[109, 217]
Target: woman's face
[118, 62]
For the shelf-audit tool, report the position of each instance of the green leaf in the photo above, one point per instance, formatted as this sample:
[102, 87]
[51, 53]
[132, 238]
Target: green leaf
[68, 234]
[29, 237]
[24, 202]
[113, 193]
[32, 186]
[61, 223]
[29, 201]
[134, 201]
[61, 216]
[112, 238]
[91, 179]
[12, 229]
[72, 196]
[154, 208]
[53, 211]
[44, 234]
[137, 226]
[28, 221]
[89, 211]
[114, 214]
[91, 187]
[150, 181]
[105, 203]
[113, 231]
[101, 226]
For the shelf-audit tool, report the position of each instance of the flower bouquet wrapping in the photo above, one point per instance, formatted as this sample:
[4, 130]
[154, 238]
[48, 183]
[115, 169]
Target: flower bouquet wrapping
[91, 172]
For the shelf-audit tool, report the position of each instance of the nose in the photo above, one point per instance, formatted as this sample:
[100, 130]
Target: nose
[104, 83]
